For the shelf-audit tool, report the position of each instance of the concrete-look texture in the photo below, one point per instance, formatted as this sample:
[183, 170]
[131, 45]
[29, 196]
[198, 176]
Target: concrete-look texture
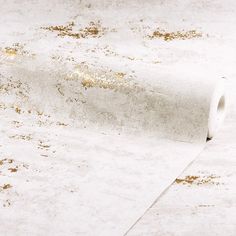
[103, 104]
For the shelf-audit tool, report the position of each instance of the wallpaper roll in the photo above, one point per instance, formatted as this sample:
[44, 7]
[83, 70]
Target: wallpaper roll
[93, 127]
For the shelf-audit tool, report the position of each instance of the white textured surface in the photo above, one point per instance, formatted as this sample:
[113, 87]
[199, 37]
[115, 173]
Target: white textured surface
[89, 160]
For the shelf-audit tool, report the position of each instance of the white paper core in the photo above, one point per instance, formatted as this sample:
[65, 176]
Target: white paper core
[217, 109]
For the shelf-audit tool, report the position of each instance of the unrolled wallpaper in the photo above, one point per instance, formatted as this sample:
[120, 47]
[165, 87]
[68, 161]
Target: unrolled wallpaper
[103, 105]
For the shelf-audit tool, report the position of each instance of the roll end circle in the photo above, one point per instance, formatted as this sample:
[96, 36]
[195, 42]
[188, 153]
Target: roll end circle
[217, 110]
